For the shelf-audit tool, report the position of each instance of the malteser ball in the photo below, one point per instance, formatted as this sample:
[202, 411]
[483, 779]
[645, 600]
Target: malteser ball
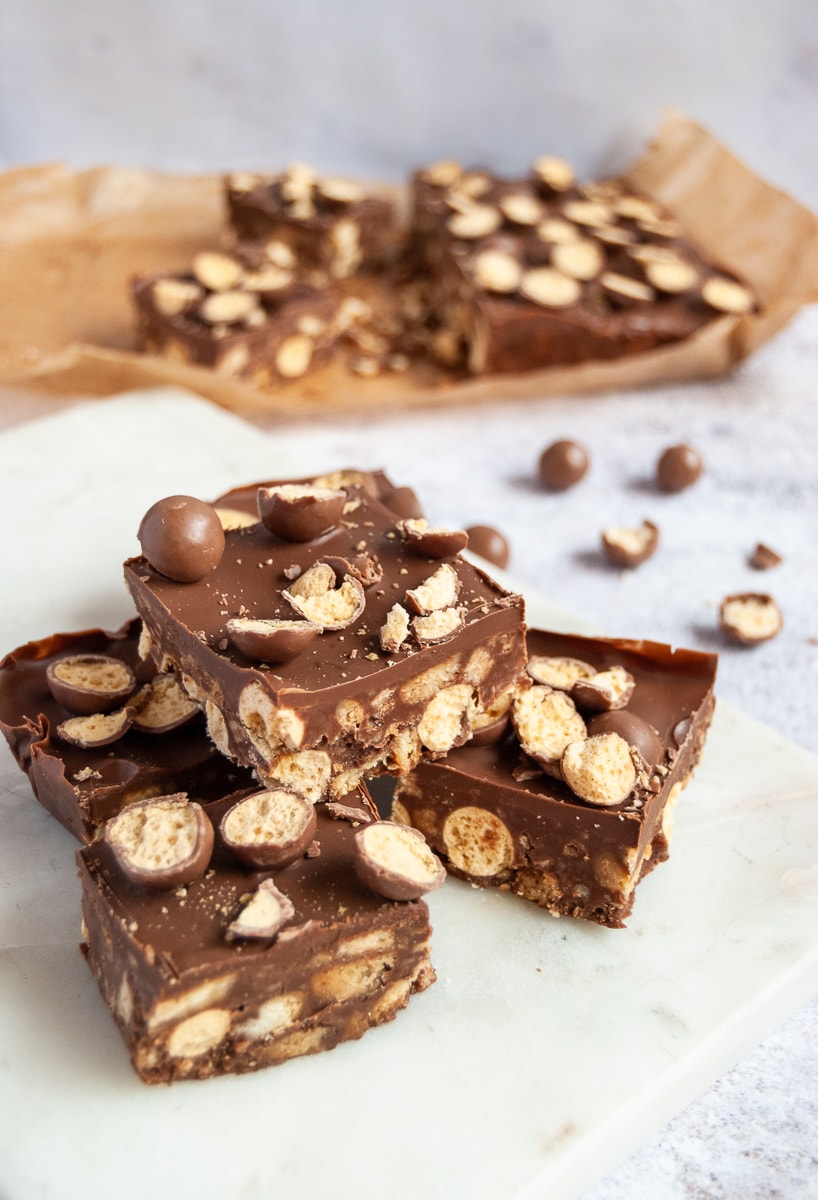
[182, 537]
[678, 468]
[489, 543]
[634, 729]
[562, 465]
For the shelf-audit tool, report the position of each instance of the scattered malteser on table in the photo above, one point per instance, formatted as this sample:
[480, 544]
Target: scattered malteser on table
[336, 227]
[533, 272]
[750, 617]
[237, 966]
[764, 558]
[678, 468]
[157, 743]
[626, 547]
[414, 648]
[572, 802]
[562, 465]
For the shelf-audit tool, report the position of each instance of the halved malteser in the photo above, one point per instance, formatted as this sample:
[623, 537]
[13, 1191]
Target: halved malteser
[395, 861]
[162, 705]
[750, 617]
[269, 829]
[557, 671]
[300, 512]
[96, 729]
[90, 683]
[318, 596]
[601, 769]
[627, 547]
[271, 641]
[546, 721]
[161, 843]
[433, 541]
[440, 590]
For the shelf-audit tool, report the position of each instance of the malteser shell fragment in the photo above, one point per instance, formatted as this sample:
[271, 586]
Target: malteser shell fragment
[750, 617]
[394, 861]
[604, 690]
[600, 769]
[269, 829]
[90, 683]
[438, 626]
[331, 608]
[440, 590]
[395, 630]
[263, 914]
[161, 843]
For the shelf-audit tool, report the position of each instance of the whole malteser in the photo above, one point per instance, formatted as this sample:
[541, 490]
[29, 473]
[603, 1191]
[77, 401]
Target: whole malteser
[182, 538]
[563, 464]
[489, 543]
[679, 467]
[634, 729]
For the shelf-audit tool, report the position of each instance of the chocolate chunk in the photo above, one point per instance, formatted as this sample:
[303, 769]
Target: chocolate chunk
[89, 683]
[562, 465]
[489, 543]
[161, 843]
[679, 467]
[764, 558]
[182, 538]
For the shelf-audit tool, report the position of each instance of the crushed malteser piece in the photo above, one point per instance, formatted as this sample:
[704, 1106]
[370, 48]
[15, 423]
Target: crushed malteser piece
[750, 617]
[269, 829]
[600, 769]
[395, 630]
[438, 626]
[440, 590]
[328, 604]
[546, 721]
[346, 812]
[163, 842]
[629, 547]
[603, 691]
[263, 914]
[395, 861]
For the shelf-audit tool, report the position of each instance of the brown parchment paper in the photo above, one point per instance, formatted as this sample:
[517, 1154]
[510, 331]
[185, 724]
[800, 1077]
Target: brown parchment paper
[69, 242]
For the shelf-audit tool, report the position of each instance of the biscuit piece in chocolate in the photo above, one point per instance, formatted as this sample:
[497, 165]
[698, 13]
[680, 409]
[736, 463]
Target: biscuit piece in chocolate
[244, 968]
[522, 275]
[507, 815]
[352, 704]
[81, 783]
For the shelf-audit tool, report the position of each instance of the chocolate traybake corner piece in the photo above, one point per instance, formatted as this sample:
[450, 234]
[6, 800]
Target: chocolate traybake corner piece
[334, 640]
[529, 273]
[85, 764]
[243, 967]
[246, 313]
[335, 226]
[572, 803]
